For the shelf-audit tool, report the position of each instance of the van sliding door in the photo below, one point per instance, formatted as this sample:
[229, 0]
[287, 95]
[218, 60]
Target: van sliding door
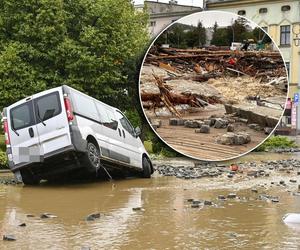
[52, 123]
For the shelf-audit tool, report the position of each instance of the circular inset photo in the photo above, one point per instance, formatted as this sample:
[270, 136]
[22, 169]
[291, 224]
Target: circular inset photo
[213, 85]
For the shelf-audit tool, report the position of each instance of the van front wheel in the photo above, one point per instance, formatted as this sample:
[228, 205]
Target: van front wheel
[29, 178]
[91, 159]
[146, 168]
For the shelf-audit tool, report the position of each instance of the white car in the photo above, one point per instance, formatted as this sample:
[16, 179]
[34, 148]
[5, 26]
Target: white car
[235, 46]
[52, 133]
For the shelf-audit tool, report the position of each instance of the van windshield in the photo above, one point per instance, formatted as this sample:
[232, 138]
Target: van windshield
[22, 116]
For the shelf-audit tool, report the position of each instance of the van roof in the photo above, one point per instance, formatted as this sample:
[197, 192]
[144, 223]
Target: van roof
[66, 86]
[63, 86]
[28, 98]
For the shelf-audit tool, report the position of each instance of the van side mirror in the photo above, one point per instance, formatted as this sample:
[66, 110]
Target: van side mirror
[137, 131]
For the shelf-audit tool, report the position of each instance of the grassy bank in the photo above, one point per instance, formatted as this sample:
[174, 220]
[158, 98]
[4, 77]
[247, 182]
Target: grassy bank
[159, 150]
[275, 142]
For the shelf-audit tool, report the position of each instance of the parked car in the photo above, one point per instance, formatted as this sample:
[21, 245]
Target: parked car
[235, 46]
[54, 132]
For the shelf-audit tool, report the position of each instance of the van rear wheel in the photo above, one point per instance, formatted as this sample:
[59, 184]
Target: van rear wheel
[29, 178]
[146, 168]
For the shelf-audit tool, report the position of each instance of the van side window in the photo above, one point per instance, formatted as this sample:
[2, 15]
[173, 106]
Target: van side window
[22, 116]
[47, 106]
[125, 123]
[85, 105]
[107, 116]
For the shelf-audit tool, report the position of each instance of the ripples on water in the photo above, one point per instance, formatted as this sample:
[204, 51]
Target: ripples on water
[168, 221]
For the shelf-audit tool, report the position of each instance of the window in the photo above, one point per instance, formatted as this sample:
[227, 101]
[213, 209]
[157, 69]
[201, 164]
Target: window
[285, 35]
[22, 116]
[285, 8]
[85, 105]
[288, 68]
[47, 106]
[126, 124]
[263, 10]
[107, 116]
[241, 12]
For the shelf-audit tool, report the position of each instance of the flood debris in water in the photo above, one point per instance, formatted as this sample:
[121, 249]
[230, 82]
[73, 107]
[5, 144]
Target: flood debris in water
[138, 209]
[246, 169]
[9, 237]
[47, 216]
[85, 248]
[292, 218]
[93, 216]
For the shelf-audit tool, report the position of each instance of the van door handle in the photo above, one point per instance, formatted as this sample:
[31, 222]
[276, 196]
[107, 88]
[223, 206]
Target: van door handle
[31, 133]
[119, 132]
[123, 133]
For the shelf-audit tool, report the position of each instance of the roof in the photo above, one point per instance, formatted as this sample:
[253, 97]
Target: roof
[176, 4]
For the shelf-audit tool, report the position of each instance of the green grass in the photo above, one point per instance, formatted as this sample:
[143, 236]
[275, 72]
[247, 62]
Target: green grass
[3, 157]
[277, 142]
[161, 153]
[148, 146]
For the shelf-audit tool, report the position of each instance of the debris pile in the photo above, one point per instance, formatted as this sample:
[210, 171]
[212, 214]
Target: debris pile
[215, 77]
[211, 64]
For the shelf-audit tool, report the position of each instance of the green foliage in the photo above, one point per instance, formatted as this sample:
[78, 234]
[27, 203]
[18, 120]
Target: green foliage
[277, 142]
[82, 43]
[148, 146]
[3, 157]
[3, 160]
[260, 35]
[221, 37]
[168, 152]
[159, 147]
[196, 37]
[183, 36]
[237, 32]
[134, 117]
[2, 143]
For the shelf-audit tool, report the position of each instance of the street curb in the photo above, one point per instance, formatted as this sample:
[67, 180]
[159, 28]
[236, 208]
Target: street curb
[5, 171]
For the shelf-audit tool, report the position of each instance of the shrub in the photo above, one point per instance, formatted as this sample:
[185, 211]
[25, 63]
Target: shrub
[277, 142]
[3, 160]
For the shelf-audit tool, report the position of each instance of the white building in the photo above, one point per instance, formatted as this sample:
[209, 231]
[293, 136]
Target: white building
[162, 14]
[281, 19]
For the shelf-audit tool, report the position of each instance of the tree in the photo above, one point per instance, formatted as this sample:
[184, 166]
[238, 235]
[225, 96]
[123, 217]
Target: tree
[86, 44]
[221, 37]
[239, 30]
[196, 36]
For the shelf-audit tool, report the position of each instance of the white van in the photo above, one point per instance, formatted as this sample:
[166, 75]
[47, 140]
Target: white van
[52, 133]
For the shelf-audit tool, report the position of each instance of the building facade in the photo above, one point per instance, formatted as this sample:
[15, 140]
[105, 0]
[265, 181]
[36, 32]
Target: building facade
[163, 14]
[281, 19]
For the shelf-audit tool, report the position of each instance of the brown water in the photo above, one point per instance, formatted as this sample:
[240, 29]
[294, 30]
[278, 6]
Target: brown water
[166, 222]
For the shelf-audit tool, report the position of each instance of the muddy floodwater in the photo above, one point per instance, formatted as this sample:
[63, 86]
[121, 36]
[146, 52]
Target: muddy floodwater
[152, 214]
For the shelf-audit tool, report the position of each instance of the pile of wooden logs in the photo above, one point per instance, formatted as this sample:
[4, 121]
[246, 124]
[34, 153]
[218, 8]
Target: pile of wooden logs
[214, 63]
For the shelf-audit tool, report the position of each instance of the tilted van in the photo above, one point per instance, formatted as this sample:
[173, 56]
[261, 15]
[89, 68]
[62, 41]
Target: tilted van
[54, 132]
